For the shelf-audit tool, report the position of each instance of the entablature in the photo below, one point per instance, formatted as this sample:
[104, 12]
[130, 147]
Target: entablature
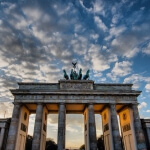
[75, 91]
[75, 85]
[33, 98]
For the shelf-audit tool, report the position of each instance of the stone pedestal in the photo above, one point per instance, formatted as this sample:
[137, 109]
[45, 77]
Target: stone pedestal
[92, 128]
[37, 128]
[115, 128]
[11, 141]
[140, 139]
[61, 127]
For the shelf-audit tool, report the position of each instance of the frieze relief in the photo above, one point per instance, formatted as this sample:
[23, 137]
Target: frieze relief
[39, 87]
[112, 88]
[76, 86]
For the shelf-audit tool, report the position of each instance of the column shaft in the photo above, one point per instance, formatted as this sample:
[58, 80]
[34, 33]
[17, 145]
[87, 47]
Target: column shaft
[37, 128]
[92, 128]
[2, 134]
[13, 130]
[61, 127]
[140, 139]
[115, 128]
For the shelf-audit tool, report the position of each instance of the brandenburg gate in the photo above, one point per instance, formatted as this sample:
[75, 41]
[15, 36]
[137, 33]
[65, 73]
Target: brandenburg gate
[111, 101]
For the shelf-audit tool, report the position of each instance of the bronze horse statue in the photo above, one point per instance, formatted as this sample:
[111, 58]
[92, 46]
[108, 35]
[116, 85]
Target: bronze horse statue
[87, 75]
[71, 74]
[76, 76]
[65, 75]
[80, 74]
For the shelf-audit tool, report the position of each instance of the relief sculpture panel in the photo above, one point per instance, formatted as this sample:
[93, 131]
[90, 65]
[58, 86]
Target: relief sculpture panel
[76, 86]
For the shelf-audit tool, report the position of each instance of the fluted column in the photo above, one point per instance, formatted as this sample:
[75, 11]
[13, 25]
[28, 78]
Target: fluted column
[61, 127]
[2, 134]
[115, 128]
[140, 139]
[37, 127]
[92, 128]
[12, 134]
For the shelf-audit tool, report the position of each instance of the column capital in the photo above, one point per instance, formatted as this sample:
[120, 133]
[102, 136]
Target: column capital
[39, 103]
[61, 103]
[134, 104]
[16, 103]
[112, 104]
[43, 104]
[90, 104]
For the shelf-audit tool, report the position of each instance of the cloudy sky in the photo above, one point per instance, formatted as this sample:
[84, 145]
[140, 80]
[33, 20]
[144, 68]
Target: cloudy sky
[39, 38]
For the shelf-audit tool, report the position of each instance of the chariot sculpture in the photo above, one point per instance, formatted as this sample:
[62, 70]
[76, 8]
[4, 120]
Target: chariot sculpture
[74, 75]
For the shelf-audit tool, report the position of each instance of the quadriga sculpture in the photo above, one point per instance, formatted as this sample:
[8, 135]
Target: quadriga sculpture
[75, 76]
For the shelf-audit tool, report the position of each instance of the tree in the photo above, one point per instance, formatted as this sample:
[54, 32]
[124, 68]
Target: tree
[50, 144]
[100, 143]
[82, 147]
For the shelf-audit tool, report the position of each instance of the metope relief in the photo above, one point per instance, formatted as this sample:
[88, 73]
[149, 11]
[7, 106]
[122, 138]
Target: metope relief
[76, 86]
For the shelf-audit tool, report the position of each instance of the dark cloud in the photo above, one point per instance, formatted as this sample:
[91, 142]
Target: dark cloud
[129, 43]
[40, 38]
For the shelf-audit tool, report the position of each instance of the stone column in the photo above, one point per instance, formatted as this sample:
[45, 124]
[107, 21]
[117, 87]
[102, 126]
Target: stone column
[61, 127]
[115, 128]
[140, 139]
[2, 134]
[37, 127]
[92, 128]
[12, 134]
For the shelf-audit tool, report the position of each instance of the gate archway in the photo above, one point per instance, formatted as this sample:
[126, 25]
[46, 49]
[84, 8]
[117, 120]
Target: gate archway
[77, 96]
